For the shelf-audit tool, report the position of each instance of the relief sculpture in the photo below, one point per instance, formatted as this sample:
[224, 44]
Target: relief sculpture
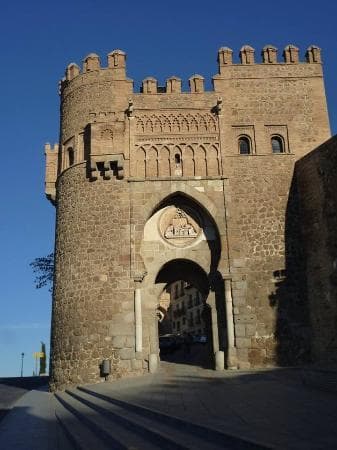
[180, 227]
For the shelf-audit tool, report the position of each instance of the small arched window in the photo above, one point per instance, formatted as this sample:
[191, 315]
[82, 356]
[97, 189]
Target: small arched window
[177, 170]
[71, 156]
[277, 145]
[244, 145]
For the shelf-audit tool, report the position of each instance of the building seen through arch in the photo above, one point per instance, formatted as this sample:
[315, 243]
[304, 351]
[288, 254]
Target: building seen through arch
[183, 318]
[181, 310]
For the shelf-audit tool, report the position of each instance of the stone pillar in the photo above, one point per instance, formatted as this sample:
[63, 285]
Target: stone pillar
[219, 360]
[138, 320]
[215, 334]
[231, 351]
[153, 362]
[153, 356]
[218, 355]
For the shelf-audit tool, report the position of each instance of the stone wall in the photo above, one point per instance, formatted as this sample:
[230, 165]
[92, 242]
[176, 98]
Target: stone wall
[316, 174]
[93, 314]
[265, 259]
[130, 164]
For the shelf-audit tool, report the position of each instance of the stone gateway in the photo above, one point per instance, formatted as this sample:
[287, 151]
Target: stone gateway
[211, 187]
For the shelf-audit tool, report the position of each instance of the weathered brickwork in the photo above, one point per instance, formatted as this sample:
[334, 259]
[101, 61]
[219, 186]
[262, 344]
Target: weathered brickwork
[162, 185]
[316, 175]
[93, 293]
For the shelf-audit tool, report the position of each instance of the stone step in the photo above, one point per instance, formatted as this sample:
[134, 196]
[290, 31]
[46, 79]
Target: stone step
[75, 430]
[324, 380]
[111, 430]
[192, 435]
[164, 435]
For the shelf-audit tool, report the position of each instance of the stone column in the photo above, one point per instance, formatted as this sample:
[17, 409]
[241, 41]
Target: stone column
[218, 355]
[138, 320]
[231, 351]
[153, 356]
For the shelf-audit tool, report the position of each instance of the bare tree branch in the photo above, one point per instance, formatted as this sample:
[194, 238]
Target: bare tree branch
[43, 269]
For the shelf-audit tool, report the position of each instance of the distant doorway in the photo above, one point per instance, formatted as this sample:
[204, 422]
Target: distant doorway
[184, 319]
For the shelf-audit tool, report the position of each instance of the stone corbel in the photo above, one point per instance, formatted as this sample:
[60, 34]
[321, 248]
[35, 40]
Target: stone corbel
[139, 276]
[107, 168]
[129, 111]
[218, 106]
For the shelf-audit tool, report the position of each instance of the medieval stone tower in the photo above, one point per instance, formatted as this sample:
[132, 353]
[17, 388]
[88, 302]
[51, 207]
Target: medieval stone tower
[165, 185]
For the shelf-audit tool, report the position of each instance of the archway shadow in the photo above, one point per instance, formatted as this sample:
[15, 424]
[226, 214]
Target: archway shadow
[293, 327]
[195, 352]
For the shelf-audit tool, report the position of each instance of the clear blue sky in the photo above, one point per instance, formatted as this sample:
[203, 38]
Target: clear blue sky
[39, 38]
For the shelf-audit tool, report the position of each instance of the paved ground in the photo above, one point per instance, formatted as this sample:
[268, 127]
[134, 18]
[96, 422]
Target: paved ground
[273, 407]
[8, 396]
[11, 389]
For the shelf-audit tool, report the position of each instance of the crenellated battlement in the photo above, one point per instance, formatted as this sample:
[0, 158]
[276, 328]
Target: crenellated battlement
[51, 154]
[116, 66]
[122, 133]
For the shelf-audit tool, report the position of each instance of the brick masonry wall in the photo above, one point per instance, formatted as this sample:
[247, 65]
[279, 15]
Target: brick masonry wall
[316, 174]
[265, 259]
[163, 144]
[93, 314]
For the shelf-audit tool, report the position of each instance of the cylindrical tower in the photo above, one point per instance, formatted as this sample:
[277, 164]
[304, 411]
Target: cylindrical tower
[93, 309]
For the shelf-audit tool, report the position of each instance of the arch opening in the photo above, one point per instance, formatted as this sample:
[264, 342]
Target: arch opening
[182, 246]
[184, 317]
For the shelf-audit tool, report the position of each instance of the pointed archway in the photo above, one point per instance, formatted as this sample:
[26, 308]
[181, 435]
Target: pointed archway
[181, 241]
[185, 329]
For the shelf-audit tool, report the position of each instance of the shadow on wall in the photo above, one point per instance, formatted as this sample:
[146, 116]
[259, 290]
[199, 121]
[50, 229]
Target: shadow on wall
[317, 184]
[293, 328]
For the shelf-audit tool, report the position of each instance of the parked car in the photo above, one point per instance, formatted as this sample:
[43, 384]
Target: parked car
[167, 343]
[200, 339]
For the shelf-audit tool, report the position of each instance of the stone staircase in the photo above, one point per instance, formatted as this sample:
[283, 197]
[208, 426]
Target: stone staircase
[321, 379]
[95, 421]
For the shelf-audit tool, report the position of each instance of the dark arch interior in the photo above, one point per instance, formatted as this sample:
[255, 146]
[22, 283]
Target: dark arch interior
[71, 156]
[186, 270]
[185, 334]
[277, 144]
[244, 145]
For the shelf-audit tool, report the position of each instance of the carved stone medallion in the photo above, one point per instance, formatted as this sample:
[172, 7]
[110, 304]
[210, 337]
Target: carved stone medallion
[178, 226]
